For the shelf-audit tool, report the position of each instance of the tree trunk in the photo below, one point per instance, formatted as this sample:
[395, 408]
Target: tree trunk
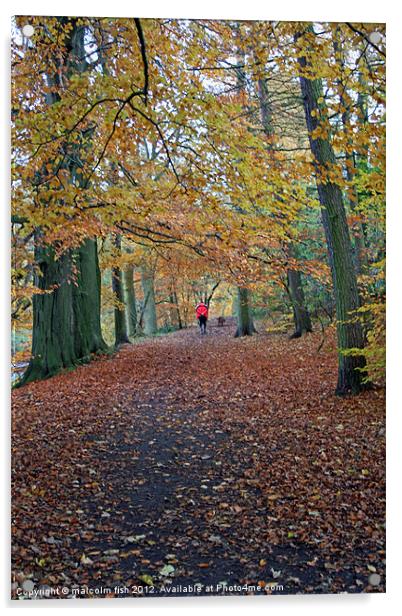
[300, 312]
[175, 317]
[149, 308]
[345, 102]
[120, 324]
[245, 325]
[131, 304]
[66, 320]
[296, 294]
[87, 301]
[349, 330]
[53, 323]
[362, 157]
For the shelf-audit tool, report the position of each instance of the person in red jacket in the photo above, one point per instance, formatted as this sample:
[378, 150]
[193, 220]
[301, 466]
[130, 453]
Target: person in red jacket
[201, 311]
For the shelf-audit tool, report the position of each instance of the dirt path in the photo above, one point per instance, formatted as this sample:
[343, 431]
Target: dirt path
[209, 460]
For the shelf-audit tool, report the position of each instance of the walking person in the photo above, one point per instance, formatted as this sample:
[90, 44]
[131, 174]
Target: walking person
[201, 311]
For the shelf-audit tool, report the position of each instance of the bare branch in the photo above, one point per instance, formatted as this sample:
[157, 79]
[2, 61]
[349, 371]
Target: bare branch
[144, 57]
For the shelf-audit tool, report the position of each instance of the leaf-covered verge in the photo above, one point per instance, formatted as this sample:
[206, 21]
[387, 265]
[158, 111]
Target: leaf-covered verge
[210, 460]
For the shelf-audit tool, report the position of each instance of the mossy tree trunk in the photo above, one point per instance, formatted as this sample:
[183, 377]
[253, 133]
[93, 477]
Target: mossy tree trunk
[66, 327]
[87, 301]
[53, 323]
[245, 325]
[66, 316]
[349, 330]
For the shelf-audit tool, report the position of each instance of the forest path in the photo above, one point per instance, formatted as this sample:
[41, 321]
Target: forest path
[190, 459]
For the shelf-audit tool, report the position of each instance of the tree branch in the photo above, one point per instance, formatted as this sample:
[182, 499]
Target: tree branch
[144, 57]
[366, 38]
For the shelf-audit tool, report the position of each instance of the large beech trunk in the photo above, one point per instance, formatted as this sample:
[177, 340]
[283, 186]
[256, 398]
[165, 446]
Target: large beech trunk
[66, 313]
[87, 301]
[349, 330]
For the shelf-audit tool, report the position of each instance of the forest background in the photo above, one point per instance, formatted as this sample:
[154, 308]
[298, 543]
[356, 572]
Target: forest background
[155, 161]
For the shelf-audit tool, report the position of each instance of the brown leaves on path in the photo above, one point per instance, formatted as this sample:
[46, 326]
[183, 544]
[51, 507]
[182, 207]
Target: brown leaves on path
[199, 459]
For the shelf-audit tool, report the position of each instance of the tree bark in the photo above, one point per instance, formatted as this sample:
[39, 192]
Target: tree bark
[245, 325]
[301, 315]
[359, 247]
[149, 309]
[87, 301]
[349, 330]
[120, 323]
[175, 316]
[66, 317]
[131, 304]
[300, 312]
[53, 325]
